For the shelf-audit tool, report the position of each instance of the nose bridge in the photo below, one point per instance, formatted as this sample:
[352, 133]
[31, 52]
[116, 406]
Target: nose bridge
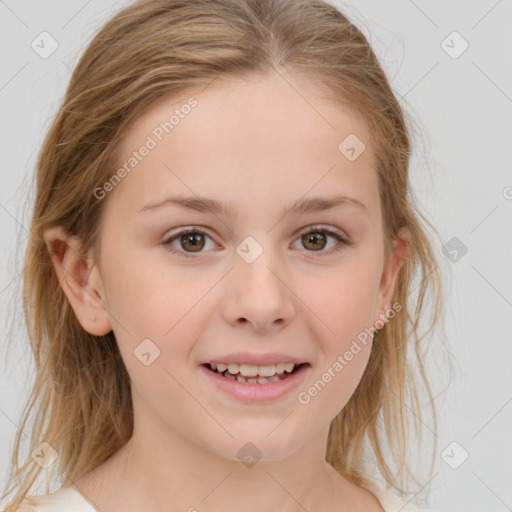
[258, 292]
[256, 266]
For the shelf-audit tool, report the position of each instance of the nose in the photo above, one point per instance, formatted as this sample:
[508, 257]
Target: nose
[258, 295]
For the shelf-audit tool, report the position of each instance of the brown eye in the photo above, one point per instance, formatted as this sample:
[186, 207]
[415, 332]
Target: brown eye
[189, 241]
[322, 239]
[192, 241]
[314, 241]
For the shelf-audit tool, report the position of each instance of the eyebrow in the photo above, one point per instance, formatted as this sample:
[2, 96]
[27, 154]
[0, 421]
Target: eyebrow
[300, 206]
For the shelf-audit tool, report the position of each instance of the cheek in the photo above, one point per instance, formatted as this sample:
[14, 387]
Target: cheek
[344, 341]
[149, 298]
[344, 302]
[163, 314]
[340, 368]
[333, 387]
[159, 327]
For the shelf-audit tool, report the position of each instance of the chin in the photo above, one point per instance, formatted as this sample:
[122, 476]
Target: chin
[251, 449]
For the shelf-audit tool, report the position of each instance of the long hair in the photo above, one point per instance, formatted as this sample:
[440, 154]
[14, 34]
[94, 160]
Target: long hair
[81, 399]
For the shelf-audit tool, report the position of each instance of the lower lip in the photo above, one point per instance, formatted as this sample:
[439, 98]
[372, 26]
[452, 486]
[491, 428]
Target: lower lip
[257, 392]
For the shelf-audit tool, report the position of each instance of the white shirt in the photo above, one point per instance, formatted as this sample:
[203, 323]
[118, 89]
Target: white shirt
[70, 500]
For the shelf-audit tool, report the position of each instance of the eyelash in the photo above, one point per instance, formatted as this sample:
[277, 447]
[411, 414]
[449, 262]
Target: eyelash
[311, 229]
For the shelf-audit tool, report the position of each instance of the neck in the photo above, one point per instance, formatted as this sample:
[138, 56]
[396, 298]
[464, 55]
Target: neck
[152, 474]
[159, 469]
[193, 478]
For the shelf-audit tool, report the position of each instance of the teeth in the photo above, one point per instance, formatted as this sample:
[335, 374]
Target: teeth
[249, 370]
[253, 380]
[280, 368]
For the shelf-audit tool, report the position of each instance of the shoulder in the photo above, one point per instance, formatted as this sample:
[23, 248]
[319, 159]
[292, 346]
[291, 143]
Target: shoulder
[391, 502]
[66, 499]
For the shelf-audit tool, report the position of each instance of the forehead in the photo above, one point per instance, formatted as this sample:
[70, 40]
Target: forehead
[272, 136]
[250, 106]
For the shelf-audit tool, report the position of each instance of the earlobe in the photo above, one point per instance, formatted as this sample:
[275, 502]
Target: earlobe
[79, 279]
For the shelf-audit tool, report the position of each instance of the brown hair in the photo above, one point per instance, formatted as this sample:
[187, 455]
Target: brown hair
[81, 395]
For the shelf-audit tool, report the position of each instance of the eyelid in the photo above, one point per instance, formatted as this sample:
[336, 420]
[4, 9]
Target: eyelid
[344, 239]
[324, 227]
[174, 234]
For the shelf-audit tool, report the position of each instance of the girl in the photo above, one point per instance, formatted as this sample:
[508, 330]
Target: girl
[219, 275]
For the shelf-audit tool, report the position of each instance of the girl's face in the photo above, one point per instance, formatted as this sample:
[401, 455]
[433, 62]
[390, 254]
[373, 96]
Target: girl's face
[256, 170]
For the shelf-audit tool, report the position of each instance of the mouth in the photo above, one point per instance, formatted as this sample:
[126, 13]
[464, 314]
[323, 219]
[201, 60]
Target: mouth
[252, 374]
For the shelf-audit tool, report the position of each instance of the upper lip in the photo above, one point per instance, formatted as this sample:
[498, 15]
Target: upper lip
[255, 359]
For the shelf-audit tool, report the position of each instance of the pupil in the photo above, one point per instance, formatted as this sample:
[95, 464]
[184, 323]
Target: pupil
[313, 238]
[196, 242]
[194, 239]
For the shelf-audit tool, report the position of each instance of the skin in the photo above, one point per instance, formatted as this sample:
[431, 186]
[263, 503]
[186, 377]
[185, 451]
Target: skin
[272, 144]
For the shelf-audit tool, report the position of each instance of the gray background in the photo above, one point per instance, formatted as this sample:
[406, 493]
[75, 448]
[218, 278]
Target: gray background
[461, 171]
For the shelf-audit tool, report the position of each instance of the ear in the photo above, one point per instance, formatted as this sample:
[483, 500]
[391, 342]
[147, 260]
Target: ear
[80, 280]
[390, 273]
